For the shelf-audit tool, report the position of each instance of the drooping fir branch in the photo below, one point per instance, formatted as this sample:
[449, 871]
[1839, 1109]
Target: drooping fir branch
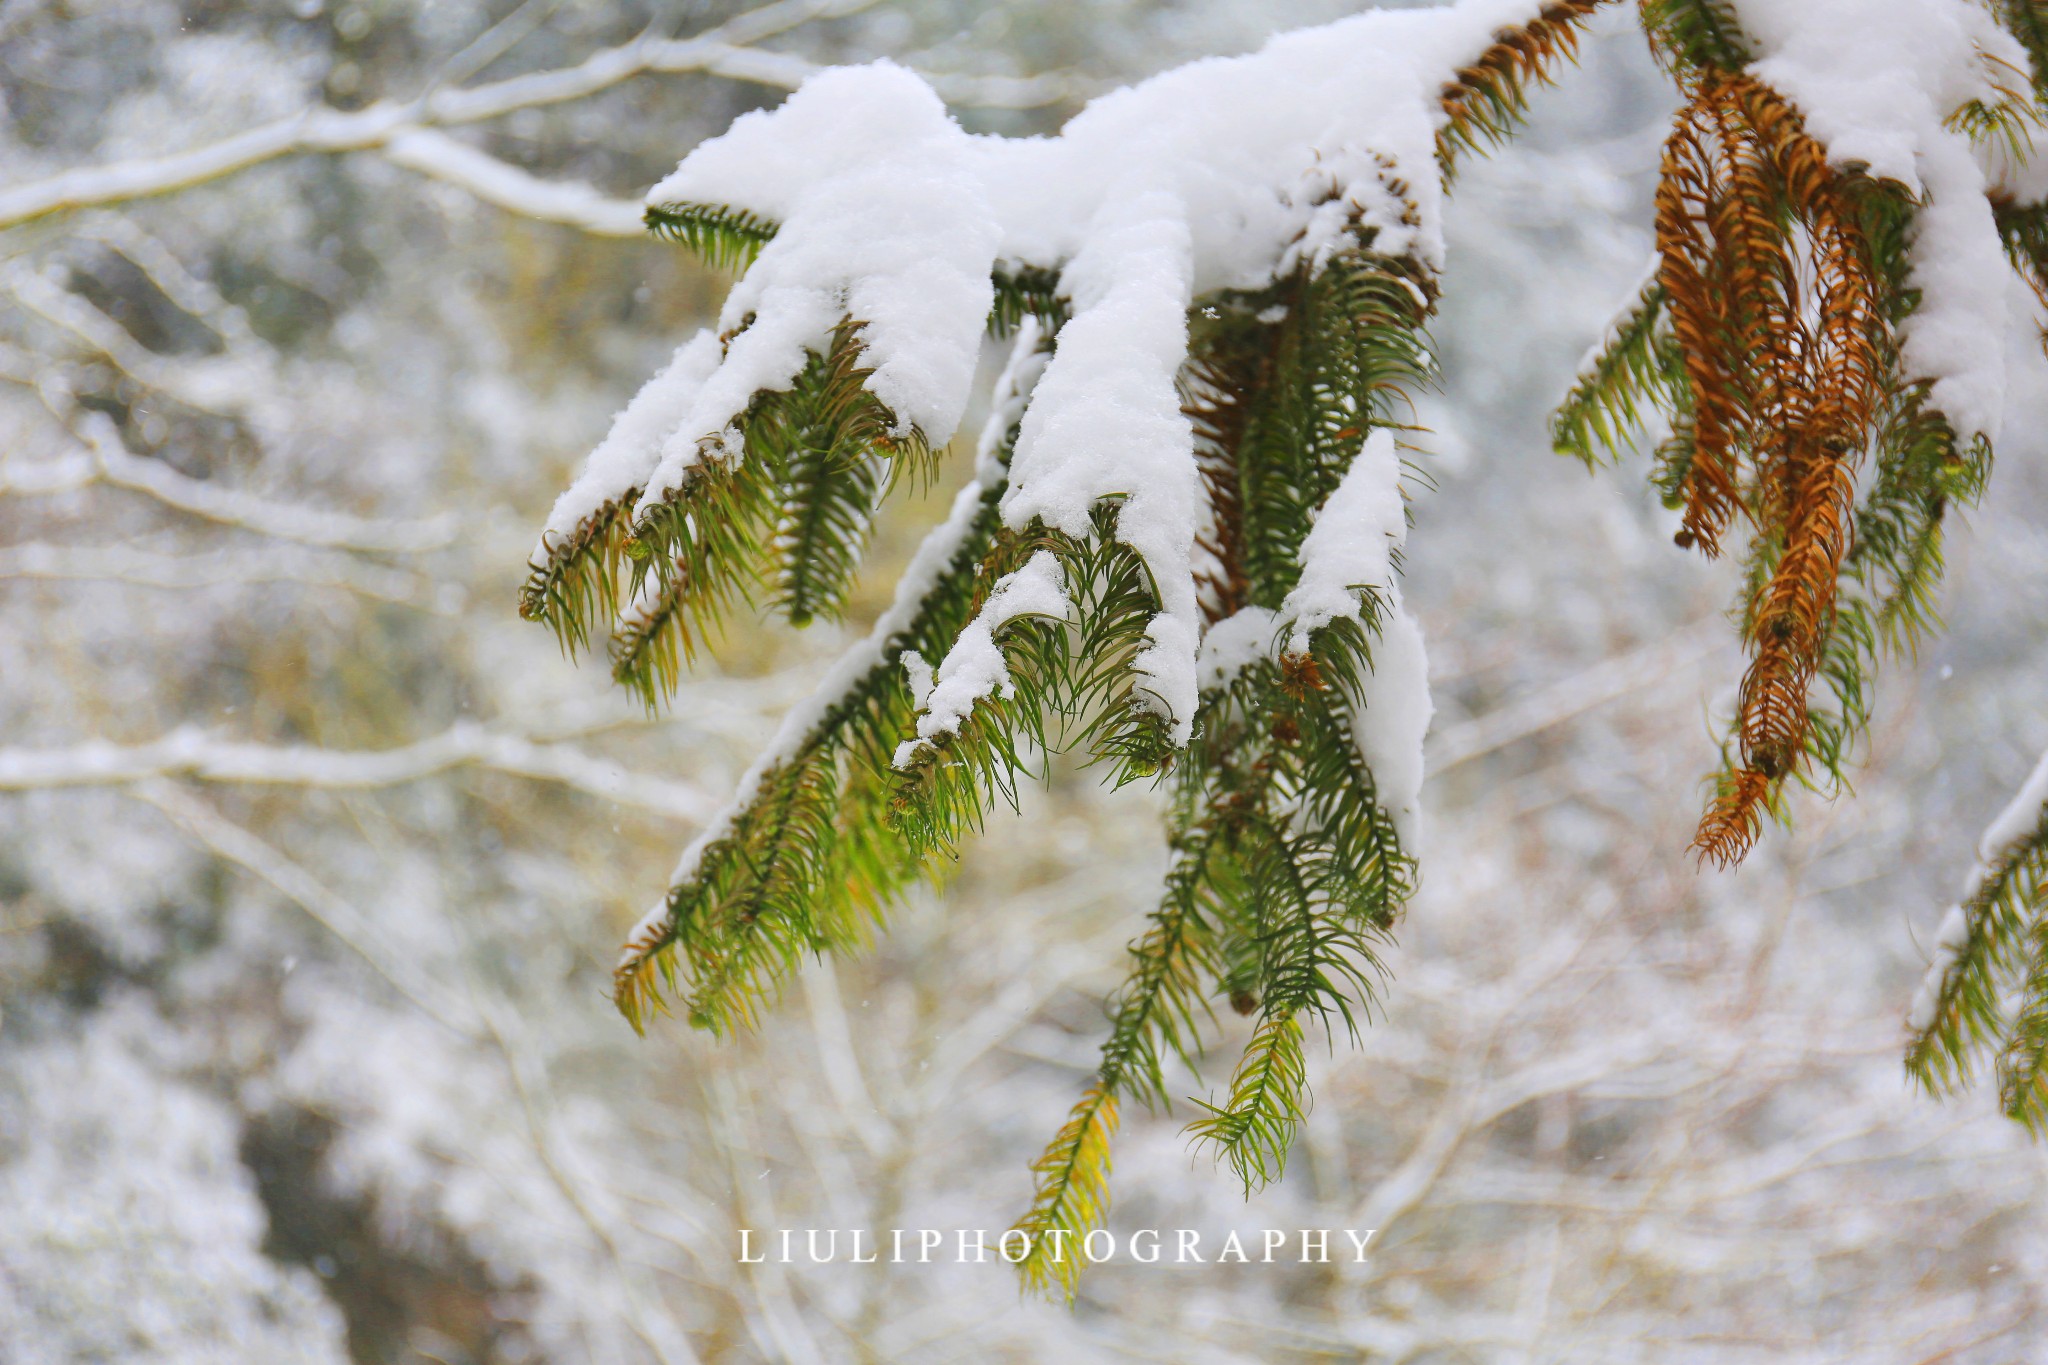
[693, 555]
[1630, 373]
[840, 454]
[945, 780]
[1887, 601]
[1786, 349]
[1285, 405]
[1989, 943]
[1158, 1013]
[573, 585]
[1163, 590]
[1486, 100]
[806, 857]
[1286, 868]
[1073, 1195]
[779, 504]
[1316, 877]
[1693, 35]
[1776, 357]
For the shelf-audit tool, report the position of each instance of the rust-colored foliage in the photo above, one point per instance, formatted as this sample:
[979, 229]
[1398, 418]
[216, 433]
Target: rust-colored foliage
[1486, 98]
[1773, 305]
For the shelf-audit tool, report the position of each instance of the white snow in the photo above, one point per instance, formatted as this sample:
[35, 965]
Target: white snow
[1394, 720]
[1875, 81]
[1106, 422]
[882, 221]
[626, 456]
[1352, 545]
[2019, 818]
[974, 667]
[1234, 644]
[1349, 552]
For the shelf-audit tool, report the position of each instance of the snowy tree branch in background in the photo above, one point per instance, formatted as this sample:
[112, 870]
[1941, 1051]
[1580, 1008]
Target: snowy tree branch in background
[396, 129]
[330, 911]
[226, 568]
[104, 460]
[191, 754]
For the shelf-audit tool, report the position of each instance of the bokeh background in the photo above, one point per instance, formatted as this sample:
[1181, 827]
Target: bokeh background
[314, 858]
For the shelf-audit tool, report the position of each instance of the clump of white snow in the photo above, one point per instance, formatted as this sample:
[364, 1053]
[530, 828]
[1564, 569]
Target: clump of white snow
[1349, 555]
[1351, 548]
[882, 221]
[974, 667]
[1876, 84]
[1234, 644]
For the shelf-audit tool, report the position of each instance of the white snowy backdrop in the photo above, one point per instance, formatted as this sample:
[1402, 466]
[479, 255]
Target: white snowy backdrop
[313, 858]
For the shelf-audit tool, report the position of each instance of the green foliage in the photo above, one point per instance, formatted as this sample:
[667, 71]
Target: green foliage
[693, 554]
[1073, 1195]
[723, 238]
[2006, 920]
[808, 860]
[1286, 870]
[838, 454]
[1687, 35]
[1026, 291]
[1255, 1124]
[574, 589]
[778, 509]
[2023, 1064]
[1284, 405]
[1486, 101]
[2027, 20]
[1637, 372]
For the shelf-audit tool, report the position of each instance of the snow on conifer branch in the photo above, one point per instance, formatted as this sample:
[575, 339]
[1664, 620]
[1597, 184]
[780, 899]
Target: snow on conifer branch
[1989, 945]
[1181, 550]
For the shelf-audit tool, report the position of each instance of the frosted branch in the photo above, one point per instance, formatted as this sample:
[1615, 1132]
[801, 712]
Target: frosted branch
[189, 753]
[330, 911]
[222, 568]
[222, 384]
[1584, 691]
[105, 461]
[507, 187]
[724, 51]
